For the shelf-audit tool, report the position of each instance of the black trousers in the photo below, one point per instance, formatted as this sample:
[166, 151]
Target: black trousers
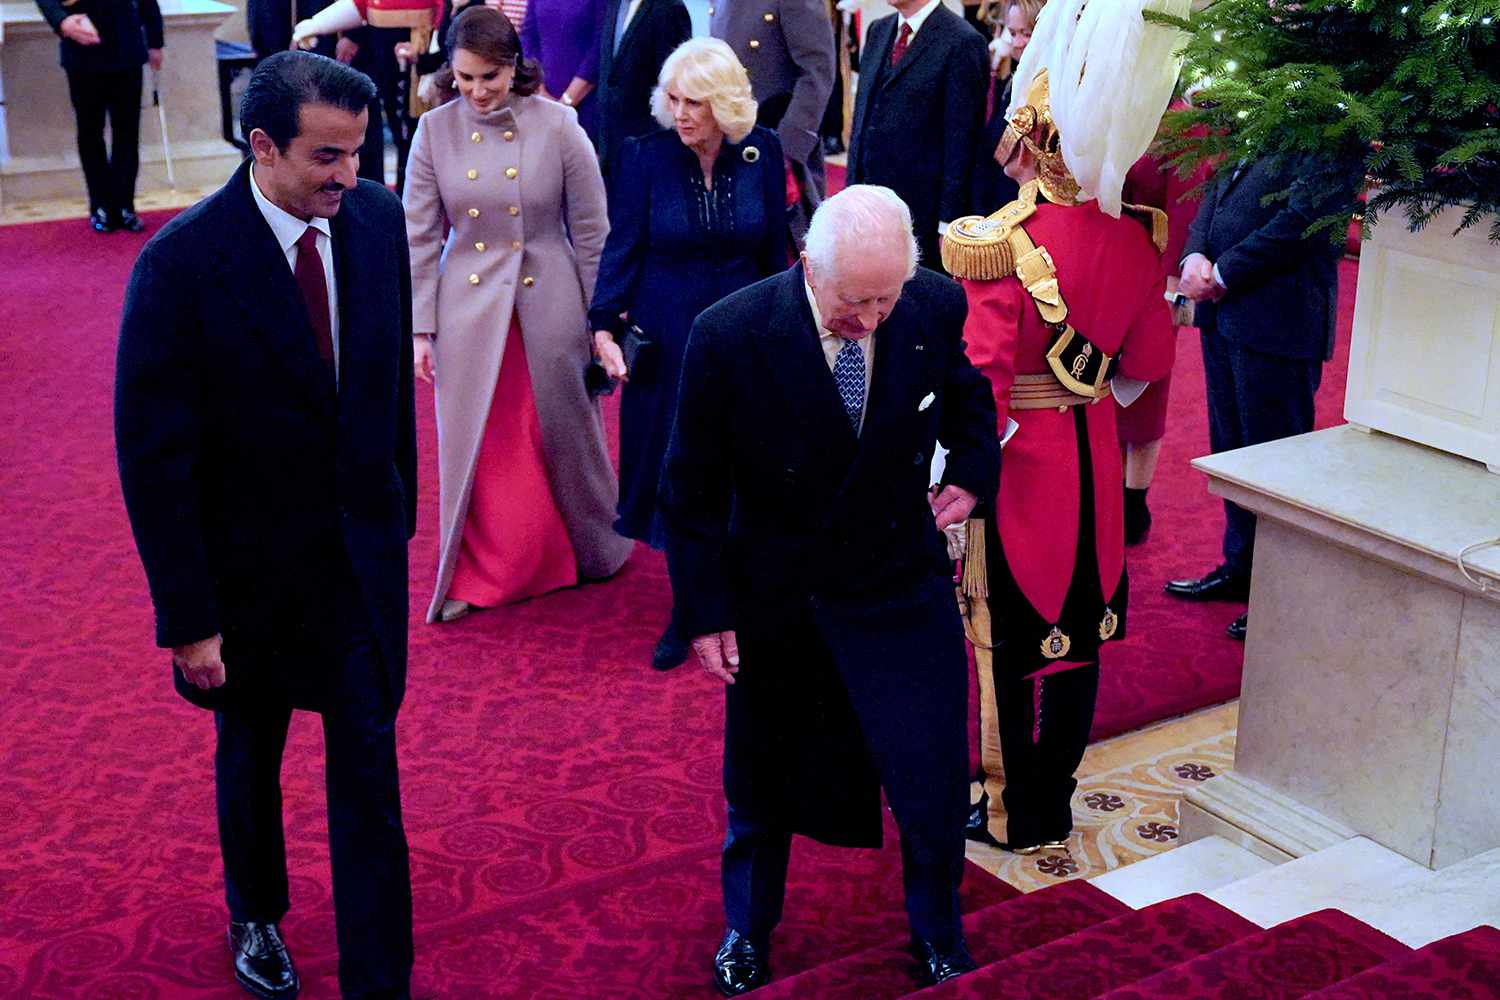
[377, 59]
[108, 173]
[1044, 727]
[366, 840]
[1253, 398]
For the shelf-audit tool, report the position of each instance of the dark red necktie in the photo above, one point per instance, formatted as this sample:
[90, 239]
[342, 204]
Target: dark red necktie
[314, 286]
[902, 41]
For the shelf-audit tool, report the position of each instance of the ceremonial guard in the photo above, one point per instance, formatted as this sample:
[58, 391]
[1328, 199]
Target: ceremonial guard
[1065, 305]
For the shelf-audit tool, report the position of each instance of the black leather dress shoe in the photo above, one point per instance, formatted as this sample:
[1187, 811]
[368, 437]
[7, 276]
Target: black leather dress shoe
[100, 221]
[1239, 626]
[1220, 585]
[939, 966]
[129, 222]
[977, 826]
[740, 966]
[261, 963]
[671, 649]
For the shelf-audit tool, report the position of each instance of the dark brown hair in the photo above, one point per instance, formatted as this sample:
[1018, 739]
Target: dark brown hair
[488, 33]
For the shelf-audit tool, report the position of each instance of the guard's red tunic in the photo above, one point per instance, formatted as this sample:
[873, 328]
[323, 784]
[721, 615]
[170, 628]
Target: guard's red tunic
[1111, 278]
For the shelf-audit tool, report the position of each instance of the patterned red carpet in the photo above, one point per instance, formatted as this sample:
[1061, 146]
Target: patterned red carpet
[562, 799]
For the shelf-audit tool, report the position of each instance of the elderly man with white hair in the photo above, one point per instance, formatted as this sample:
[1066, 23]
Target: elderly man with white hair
[808, 562]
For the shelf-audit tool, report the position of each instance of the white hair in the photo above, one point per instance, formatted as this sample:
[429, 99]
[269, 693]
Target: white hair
[858, 217]
[707, 70]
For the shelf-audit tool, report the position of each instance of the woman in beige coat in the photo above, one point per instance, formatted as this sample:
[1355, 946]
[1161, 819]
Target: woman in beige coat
[506, 217]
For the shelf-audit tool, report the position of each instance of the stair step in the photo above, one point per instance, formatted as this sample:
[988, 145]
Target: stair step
[1100, 958]
[1288, 961]
[993, 933]
[1388, 891]
[1198, 866]
[1464, 966]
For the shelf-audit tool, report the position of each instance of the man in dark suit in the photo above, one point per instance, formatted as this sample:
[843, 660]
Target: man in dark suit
[1267, 297]
[270, 24]
[786, 47]
[104, 44]
[266, 435]
[807, 561]
[919, 113]
[636, 39]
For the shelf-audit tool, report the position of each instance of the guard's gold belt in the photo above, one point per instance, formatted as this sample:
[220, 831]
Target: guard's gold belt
[1043, 391]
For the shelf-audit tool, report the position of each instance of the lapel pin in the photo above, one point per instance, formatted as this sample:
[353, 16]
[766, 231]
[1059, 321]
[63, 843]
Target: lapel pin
[926, 402]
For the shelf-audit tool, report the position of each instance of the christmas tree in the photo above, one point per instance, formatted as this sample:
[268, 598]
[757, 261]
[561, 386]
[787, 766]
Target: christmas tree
[1410, 88]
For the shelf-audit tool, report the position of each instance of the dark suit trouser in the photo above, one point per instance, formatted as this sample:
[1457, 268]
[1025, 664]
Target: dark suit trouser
[1253, 398]
[1044, 728]
[367, 844]
[109, 174]
[925, 781]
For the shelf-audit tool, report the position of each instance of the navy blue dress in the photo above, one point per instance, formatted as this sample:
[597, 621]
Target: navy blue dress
[675, 248]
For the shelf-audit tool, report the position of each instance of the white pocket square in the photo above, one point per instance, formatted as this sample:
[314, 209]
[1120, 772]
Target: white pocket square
[926, 402]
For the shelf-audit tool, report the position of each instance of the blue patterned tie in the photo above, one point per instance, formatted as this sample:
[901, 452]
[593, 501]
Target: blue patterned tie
[849, 375]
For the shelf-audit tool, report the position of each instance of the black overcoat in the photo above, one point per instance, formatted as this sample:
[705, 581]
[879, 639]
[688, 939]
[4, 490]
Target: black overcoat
[628, 76]
[786, 527]
[127, 28]
[254, 487]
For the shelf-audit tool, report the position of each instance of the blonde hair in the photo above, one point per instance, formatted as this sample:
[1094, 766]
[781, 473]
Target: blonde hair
[707, 70]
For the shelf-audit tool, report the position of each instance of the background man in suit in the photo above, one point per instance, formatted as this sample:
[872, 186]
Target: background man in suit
[270, 23]
[786, 46]
[805, 560]
[919, 112]
[1267, 299]
[267, 449]
[104, 44]
[636, 39]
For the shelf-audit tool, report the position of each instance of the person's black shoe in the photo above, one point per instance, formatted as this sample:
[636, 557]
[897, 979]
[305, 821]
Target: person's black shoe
[100, 221]
[261, 963]
[739, 965]
[832, 145]
[977, 826]
[1220, 585]
[671, 649]
[1137, 516]
[1239, 627]
[938, 966]
[128, 221]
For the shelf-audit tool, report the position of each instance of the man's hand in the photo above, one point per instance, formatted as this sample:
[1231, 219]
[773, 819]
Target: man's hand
[952, 505]
[1198, 282]
[201, 662]
[153, 56]
[346, 49]
[78, 28]
[719, 653]
[406, 54]
[610, 356]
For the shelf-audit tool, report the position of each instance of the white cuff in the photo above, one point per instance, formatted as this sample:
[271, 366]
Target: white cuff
[339, 16]
[1220, 278]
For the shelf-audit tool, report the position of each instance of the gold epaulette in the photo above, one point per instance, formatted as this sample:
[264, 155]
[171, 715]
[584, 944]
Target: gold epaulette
[978, 247]
[1155, 220]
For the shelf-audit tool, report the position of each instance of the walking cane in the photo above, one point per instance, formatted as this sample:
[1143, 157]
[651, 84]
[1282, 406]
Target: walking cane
[161, 117]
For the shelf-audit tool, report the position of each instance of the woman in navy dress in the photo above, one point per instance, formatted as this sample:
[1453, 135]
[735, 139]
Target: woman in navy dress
[696, 213]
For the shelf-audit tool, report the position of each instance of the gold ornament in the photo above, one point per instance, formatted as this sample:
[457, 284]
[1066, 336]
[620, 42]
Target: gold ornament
[1109, 624]
[1056, 645]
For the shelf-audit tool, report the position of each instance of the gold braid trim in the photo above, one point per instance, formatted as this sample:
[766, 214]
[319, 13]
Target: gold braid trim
[976, 582]
[1155, 220]
[979, 248]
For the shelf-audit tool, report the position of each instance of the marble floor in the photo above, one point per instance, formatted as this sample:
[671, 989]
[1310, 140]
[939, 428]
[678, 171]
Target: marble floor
[1125, 808]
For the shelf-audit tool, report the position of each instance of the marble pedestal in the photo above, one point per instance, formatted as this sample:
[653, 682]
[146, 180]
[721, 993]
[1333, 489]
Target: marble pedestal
[40, 133]
[1371, 696]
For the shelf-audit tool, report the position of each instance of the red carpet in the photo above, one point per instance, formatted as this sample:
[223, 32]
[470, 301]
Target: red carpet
[562, 800]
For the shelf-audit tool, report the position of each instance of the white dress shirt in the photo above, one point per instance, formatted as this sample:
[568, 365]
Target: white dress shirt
[832, 343]
[288, 229]
[916, 20]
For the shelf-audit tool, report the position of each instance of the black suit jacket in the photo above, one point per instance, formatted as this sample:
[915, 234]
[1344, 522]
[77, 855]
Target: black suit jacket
[916, 124]
[627, 76]
[253, 487]
[771, 503]
[1282, 296]
[270, 23]
[126, 29]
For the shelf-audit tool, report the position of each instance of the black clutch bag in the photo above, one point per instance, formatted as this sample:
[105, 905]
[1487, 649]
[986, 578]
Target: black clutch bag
[639, 354]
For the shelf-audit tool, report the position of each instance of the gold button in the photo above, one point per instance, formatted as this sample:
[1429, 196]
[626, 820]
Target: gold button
[509, 136]
[770, 18]
[528, 281]
[479, 246]
[476, 137]
[473, 213]
[511, 172]
[473, 279]
[754, 43]
[514, 210]
[515, 244]
[473, 175]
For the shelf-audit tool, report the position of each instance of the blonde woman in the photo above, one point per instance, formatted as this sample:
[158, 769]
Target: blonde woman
[697, 210]
[992, 189]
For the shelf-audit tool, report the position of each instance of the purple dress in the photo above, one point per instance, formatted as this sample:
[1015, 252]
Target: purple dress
[563, 35]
